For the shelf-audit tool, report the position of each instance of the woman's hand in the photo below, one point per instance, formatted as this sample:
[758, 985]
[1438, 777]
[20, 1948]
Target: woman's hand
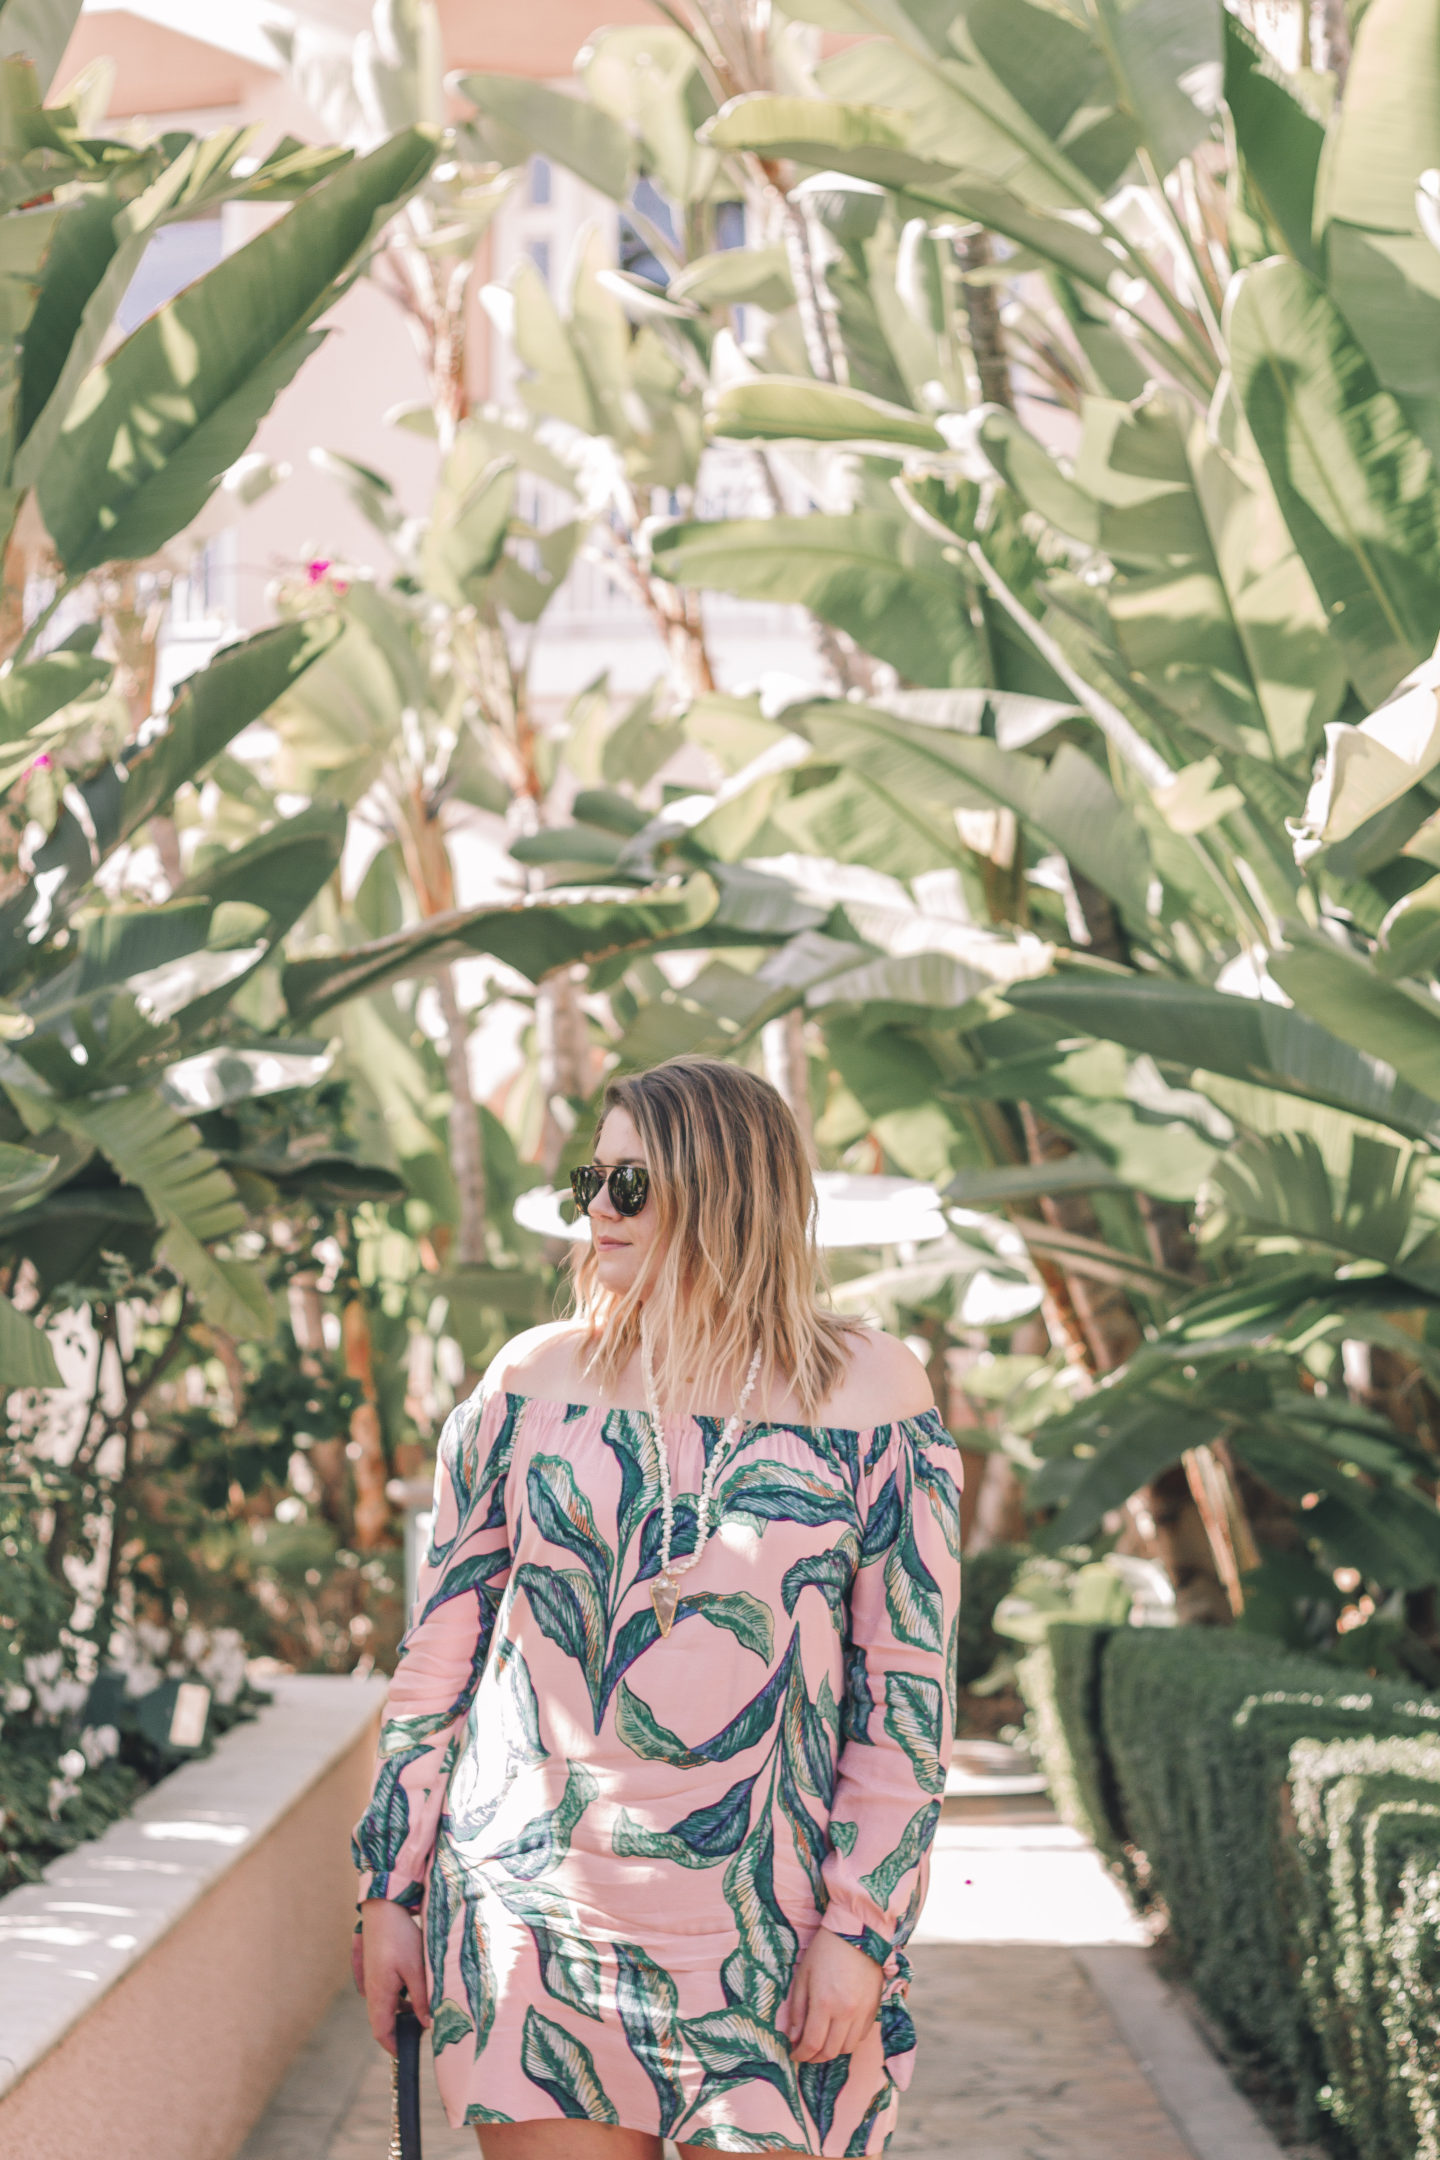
[387, 1957]
[832, 2001]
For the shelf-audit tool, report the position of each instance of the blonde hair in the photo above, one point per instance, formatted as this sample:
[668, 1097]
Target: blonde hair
[734, 1263]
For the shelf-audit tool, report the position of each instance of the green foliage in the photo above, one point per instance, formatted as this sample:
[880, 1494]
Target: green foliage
[1012, 874]
[156, 1207]
[987, 1577]
[1367, 1815]
[1198, 1730]
[180, 401]
[1284, 1818]
[1060, 1681]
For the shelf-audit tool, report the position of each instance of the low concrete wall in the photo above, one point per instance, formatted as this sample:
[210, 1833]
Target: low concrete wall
[155, 1987]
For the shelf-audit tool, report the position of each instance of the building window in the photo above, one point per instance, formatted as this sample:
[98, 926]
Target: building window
[175, 257]
[634, 250]
[541, 183]
[539, 253]
[729, 224]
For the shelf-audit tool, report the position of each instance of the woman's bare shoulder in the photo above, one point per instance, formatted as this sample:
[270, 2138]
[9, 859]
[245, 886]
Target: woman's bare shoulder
[883, 1381]
[543, 1361]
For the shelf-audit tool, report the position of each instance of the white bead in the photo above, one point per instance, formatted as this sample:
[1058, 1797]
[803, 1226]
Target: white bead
[724, 1448]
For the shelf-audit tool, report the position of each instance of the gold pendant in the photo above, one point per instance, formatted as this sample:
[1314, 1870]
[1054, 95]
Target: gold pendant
[665, 1597]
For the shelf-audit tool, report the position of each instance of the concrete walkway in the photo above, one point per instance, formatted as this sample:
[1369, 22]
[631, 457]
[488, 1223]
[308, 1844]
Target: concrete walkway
[1044, 2031]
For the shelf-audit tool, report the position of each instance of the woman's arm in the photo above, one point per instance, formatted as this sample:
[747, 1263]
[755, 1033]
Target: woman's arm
[898, 1716]
[443, 1654]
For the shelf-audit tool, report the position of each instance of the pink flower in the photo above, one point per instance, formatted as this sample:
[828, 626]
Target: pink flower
[320, 571]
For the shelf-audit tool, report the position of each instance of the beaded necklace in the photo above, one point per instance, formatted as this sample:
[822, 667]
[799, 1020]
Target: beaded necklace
[665, 1589]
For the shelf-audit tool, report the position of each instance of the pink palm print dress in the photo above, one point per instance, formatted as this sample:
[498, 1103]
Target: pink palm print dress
[621, 1843]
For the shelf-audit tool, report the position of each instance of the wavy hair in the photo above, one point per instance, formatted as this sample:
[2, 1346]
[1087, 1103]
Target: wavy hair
[734, 1262]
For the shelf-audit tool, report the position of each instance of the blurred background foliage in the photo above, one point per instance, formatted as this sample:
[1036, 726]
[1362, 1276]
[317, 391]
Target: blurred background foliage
[1077, 377]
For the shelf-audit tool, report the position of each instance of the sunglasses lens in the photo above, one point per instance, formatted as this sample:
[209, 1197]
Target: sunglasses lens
[585, 1184]
[629, 1189]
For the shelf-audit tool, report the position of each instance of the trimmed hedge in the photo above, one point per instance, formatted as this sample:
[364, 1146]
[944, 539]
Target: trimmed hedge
[1192, 1749]
[1368, 1819]
[987, 1576]
[1060, 1681]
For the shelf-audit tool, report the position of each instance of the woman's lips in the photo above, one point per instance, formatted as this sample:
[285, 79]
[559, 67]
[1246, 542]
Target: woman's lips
[610, 1244]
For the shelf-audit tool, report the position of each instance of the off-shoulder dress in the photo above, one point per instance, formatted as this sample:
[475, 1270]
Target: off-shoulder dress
[621, 1842]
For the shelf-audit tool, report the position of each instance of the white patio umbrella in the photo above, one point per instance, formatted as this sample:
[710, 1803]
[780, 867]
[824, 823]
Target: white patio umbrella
[852, 1210]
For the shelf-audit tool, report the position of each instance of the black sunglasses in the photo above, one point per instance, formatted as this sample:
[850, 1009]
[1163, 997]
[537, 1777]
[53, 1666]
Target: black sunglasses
[629, 1186]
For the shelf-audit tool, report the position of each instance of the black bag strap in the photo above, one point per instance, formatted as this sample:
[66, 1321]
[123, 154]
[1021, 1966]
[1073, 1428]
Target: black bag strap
[405, 2086]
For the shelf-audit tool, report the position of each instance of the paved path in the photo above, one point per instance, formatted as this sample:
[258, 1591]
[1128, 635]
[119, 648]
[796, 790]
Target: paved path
[1035, 2004]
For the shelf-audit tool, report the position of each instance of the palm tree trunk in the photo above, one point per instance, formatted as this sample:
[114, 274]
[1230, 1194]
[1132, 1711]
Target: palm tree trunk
[787, 1068]
[327, 1457]
[982, 310]
[467, 1152]
[564, 1045]
[427, 858]
[367, 1448]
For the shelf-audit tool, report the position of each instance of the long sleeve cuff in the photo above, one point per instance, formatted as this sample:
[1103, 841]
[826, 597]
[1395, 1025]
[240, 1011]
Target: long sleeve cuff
[395, 1888]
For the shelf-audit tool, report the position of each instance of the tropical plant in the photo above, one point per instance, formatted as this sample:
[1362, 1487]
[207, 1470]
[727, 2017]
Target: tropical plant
[1068, 958]
[132, 992]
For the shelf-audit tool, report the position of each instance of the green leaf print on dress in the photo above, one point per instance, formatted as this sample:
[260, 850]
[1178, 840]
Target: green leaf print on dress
[569, 1961]
[860, 2141]
[649, 2007]
[450, 2024]
[640, 1729]
[701, 1839]
[759, 1972]
[447, 1894]
[563, 2066]
[613, 1923]
[744, 1616]
[386, 1822]
[821, 2084]
[767, 1492]
[476, 1974]
[831, 1573]
[476, 1575]
[914, 1715]
[735, 2047]
[545, 1840]
[913, 1596]
[881, 1881]
[943, 1495]
[562, 1514]
[565, 1603]
[721, 2137]
[520, 1712]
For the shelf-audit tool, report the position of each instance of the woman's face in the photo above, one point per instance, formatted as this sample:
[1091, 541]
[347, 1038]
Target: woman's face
[621, 1242]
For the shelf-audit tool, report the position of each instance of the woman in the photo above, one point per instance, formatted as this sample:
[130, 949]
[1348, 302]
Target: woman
[663, 1754]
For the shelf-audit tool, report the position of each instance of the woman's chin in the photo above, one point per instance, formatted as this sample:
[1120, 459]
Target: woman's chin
[616, 1271]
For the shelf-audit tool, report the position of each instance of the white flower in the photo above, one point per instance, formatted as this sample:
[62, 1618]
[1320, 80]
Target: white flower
[57, 1693]
[223, 1664]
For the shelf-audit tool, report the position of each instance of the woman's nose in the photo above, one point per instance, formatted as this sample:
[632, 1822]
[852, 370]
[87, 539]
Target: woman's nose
[603, 1205]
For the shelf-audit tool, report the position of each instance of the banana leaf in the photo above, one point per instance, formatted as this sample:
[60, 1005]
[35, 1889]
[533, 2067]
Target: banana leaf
[209, 710]
[534, 935]
[151, 432]
[1355, 484]
[1187, 1024]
